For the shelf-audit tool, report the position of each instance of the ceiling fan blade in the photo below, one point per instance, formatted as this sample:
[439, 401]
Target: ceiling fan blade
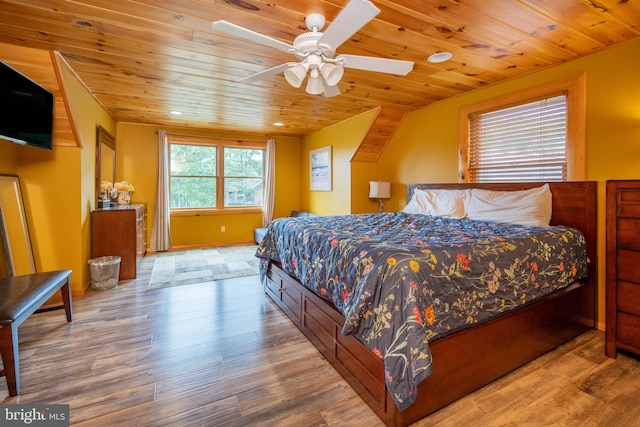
[268, 72]
[354, 16]
[381, 65]
[244, 33]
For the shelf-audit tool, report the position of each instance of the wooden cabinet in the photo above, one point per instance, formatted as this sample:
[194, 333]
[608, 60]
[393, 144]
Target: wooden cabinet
[623, 267]
[121, 231]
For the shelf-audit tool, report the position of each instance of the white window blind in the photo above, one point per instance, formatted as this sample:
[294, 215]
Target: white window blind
[526, 142]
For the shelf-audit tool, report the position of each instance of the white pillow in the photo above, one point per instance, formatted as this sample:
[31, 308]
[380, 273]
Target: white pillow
[525, 207]
[447, 203]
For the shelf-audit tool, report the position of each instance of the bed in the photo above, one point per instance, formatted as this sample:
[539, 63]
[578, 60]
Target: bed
[452, 363]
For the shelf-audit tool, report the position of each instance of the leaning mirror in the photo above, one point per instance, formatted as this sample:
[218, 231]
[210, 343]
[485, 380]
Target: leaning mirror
[16, 248]
[105, 158]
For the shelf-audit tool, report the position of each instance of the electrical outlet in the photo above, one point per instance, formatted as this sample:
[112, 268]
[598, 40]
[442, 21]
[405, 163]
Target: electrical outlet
[223, 229]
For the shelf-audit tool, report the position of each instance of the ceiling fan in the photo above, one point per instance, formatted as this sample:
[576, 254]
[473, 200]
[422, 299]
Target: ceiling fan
[316, 50]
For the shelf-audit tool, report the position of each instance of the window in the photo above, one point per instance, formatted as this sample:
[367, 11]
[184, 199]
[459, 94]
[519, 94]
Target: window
[213, 174]
[533, 135]
[243, 176]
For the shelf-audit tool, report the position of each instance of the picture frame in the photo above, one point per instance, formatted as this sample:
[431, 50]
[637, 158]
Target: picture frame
[16, 251]
[321, 174]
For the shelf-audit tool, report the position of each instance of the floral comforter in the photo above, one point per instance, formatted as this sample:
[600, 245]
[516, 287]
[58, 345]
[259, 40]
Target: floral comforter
[403, 280]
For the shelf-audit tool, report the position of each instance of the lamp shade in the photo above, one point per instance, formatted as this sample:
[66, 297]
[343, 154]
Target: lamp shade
[296, 74]
[331, 73]
[314, 83]
[379, 190]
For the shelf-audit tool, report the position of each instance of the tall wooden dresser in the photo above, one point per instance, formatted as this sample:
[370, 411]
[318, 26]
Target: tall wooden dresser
[623, 267]
[121, 231]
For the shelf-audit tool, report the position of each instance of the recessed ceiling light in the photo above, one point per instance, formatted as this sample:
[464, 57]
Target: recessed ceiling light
[439, 57]
[176, 113]
[278, 124]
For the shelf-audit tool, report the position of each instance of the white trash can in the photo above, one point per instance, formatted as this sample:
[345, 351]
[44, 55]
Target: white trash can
[105, 272]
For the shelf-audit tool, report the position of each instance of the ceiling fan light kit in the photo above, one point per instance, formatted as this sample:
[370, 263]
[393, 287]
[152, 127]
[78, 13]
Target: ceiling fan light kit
[315, 50]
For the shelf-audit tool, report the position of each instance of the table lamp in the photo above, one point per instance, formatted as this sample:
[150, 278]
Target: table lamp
[379, 190]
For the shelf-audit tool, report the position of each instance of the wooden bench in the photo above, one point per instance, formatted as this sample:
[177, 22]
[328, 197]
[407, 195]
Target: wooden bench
[20, 297]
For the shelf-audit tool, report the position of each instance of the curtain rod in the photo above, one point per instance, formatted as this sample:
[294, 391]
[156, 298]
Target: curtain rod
[215, 137]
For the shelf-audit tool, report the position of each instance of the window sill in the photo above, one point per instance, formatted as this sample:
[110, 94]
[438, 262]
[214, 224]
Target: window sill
[214, 212]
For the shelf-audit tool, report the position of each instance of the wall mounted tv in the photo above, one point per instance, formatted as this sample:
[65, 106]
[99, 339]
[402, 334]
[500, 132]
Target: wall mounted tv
[26, 110]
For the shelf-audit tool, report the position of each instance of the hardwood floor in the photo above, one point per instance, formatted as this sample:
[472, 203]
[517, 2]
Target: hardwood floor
[222, 354]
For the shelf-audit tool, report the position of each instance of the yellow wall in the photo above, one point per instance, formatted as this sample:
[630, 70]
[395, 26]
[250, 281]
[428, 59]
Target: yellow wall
[136, 162]
[344, 138]
[51, 193]
[361, 174]
[8, 157]
[87, 114]
[58, 188]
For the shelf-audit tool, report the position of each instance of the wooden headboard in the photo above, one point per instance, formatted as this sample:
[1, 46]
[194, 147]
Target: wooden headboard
[574, 204]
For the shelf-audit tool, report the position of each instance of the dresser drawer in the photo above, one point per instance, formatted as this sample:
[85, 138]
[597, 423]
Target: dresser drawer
[628, 329]
[628, 202]
[628, 265]
[628, 296]
[627, 233]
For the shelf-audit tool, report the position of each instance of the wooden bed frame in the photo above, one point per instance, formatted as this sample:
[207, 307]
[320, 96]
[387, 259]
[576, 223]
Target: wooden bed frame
[469, 359]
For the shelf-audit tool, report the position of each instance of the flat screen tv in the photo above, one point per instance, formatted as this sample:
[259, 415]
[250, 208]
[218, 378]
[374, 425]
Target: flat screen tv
[26, 110]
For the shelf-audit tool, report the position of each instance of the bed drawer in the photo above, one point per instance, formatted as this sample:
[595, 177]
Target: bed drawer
[292, 299]
[628, 329]
[321, 324]
[280, 287]
[347, 350]
[368, 368]
[273, 286]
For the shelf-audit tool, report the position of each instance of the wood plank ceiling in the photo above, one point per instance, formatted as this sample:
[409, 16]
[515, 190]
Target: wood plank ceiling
[143, 59]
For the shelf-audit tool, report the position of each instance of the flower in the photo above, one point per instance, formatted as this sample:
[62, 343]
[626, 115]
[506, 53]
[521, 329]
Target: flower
[123, 186]
[106, 185]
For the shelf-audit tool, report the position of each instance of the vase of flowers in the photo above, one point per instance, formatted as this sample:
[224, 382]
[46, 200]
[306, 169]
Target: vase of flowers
[107, 192]
[124, 190]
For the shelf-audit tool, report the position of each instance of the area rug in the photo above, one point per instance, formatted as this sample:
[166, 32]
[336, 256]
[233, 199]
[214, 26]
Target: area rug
[203, 265]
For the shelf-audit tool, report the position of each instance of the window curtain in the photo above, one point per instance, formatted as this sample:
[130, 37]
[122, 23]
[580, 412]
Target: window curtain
[270, 183]
[160, 231]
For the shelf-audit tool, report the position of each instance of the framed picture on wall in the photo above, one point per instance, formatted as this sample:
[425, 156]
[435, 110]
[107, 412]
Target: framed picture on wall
[321, 173]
